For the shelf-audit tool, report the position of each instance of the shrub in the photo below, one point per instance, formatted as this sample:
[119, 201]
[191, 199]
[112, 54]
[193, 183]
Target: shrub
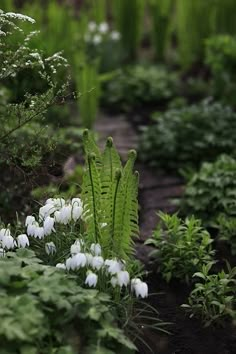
[138, 86]
[189, 136]
[45, 310]
[211, 191]
[182, 247]
[213, 298]
[221, 58]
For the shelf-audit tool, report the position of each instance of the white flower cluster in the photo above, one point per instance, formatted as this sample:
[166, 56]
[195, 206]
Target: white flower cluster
[95, 266]
[97, 33]
[55, 210]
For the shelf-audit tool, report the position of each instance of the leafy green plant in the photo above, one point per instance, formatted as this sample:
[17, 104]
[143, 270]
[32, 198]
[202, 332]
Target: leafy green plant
[137, 86]
[188, 136]
[161, 12]
[109, 193]
[221, 58]
[226, 226]
[182, 247]
[44, 310]
[131, 31]
[213, 298]
[211, 191]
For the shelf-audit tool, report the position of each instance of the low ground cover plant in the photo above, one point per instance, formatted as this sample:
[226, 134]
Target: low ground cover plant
[181, 247]
[188, 136]
[213, 298]
[137, 86]
[51, 312]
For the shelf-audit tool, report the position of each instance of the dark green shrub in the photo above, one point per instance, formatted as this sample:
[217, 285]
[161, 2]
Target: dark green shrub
[221, 58]
[138, 86]
[213, 298]
[182, 247]
[188, 136]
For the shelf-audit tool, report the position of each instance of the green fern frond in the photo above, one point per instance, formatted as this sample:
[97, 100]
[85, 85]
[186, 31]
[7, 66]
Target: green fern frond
[90, 146]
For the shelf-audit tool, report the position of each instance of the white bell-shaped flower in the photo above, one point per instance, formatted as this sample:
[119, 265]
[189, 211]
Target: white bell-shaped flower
[4, 232]
[97, 262]
[46, 210]
[66, 214]
[95, 248]
[69, 263]
[76, 212]
[50, 248]
[39, 232]
[76, 201]
[139, 287]
[57, 216]
[48, 225]
[114, 281]
[8, 242]
[30, 219]
[113, 266]
[75, 248]
[91, 279]
[61, 266]
[115, 36]
[97, 39]
[123, 278]
[22, 241]
[31, 228]
[78, 261]
[89, 257]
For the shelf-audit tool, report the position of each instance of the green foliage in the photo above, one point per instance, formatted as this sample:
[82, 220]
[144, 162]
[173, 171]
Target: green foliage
[213, 298]
[88, 85]
[226, 226]
[109, 193]
[188, 136]
[193, 26]
[211, 191]
[131, 31]
[138, 86]
[44, 310]
[221, 58]
[182, 247]
[161, 12]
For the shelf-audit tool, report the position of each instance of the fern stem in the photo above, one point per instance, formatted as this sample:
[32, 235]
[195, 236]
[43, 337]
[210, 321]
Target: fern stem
[118, 177]
[94, 202]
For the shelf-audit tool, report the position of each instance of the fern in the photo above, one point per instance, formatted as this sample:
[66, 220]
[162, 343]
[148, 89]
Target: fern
[109, 193]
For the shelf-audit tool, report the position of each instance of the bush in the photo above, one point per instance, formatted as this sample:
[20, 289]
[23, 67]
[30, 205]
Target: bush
[182, 247]
[213, 298]
[138, 86]
[189, 136]
[221, 58]
[44, 310]
[211, 191]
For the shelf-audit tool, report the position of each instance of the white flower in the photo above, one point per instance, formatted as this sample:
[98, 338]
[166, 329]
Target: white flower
[8, 242]
[115, 36]
[75, 248]
[57, 216]
[29, 220]
[31, 228]
[48, 225]
[139, 287]
[95, 248]
[50, 248]
[92, 26]
[69, 263]
[97, 39]
[114, 281]
[89, 257]
[113, 266]
[46, 210]
[103, 27]
[58, 202]
[22, 241]
[4, 232]
[61, 266]
[76, 212]
[123, 278]
[91, 279]
[76, 201]
[2, 252]
[66, 214]
[78, 261]
[97, 262]
[38, 232]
